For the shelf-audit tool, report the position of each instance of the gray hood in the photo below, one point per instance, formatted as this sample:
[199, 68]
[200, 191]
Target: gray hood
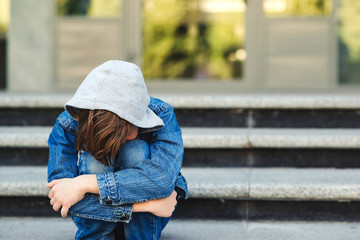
[119, 87]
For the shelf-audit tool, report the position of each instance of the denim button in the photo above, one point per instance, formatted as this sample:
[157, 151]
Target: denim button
[108, 200]
[123, 216]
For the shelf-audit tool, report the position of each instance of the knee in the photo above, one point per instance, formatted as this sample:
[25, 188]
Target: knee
[87, 164]
[132, 153]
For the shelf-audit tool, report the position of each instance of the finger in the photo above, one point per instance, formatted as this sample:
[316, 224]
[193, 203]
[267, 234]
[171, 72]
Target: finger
[57, 206]
[51, 194]
[52, 183]
[52, 201]
[64, 211]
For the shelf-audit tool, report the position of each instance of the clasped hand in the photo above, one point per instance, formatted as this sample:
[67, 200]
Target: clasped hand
[64, 193]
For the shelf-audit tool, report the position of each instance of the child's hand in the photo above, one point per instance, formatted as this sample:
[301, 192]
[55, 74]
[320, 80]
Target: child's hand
[65, 193]
[163, 207]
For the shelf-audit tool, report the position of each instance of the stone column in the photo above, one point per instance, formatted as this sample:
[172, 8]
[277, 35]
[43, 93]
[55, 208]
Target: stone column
[31, 46]
[132, 30]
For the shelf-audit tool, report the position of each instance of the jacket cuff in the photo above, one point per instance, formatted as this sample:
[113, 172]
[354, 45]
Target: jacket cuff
[89, 207]
[181, 187]
[107, 189]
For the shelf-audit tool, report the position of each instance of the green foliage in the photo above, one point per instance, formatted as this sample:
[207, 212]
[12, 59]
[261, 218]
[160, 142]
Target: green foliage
[72, 7]
[3, 28]
[91, 8]
[303, 8]
[4, 16]
[104, 8]
[349, 17]
[349, 37]
[180, 41]
[223, 42]
[161, 45]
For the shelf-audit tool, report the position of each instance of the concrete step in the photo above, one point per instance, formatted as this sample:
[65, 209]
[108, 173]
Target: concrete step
[218, 147]
[276, 110]
[56, 228]
[276, 100]
[270, 138]
[223, 183]
[62, 229]
[220, 193]
[233, 138]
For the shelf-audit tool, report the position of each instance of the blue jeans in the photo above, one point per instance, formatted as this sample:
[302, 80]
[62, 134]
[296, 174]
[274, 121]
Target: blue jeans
[143, 225]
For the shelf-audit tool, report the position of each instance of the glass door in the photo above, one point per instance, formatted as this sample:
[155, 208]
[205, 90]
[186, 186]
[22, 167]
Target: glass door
[298, 44]
[88, 33]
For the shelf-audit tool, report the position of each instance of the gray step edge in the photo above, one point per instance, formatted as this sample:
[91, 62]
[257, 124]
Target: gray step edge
[224, 183]
[315, 100]
[63, 229]
[215, 137]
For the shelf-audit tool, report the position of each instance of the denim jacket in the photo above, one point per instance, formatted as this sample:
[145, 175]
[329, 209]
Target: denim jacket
[155, 179]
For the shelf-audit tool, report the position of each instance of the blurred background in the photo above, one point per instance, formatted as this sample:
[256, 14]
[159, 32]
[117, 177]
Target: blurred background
[197, 45]
[266, 93]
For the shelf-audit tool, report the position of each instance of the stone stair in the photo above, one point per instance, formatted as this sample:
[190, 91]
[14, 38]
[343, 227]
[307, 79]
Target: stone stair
[64, 229]
[259, 166]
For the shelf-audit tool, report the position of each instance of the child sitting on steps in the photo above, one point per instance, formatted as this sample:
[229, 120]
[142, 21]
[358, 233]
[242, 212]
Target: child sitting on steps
[115, 157]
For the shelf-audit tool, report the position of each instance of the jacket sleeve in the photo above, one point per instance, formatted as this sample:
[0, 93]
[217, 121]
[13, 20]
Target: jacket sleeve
[62, 153]
[63, 164]
[154, 178]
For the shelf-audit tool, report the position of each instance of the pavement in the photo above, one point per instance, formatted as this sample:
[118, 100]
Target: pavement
[63, 229]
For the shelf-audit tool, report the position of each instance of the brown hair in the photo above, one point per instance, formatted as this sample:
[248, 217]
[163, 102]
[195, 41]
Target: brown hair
[101, 133]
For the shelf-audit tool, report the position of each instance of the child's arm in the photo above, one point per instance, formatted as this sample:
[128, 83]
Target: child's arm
[63, 164]
[68, 191]
[154, 178]
[63, 156]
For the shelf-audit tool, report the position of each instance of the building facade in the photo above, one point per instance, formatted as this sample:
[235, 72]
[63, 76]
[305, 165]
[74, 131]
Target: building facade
[231, 45]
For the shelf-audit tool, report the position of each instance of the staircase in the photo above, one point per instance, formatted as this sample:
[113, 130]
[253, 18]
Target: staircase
[259, 166]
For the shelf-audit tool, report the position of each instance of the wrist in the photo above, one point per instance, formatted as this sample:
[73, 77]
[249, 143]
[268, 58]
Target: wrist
[88, 183]
[142, 207]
